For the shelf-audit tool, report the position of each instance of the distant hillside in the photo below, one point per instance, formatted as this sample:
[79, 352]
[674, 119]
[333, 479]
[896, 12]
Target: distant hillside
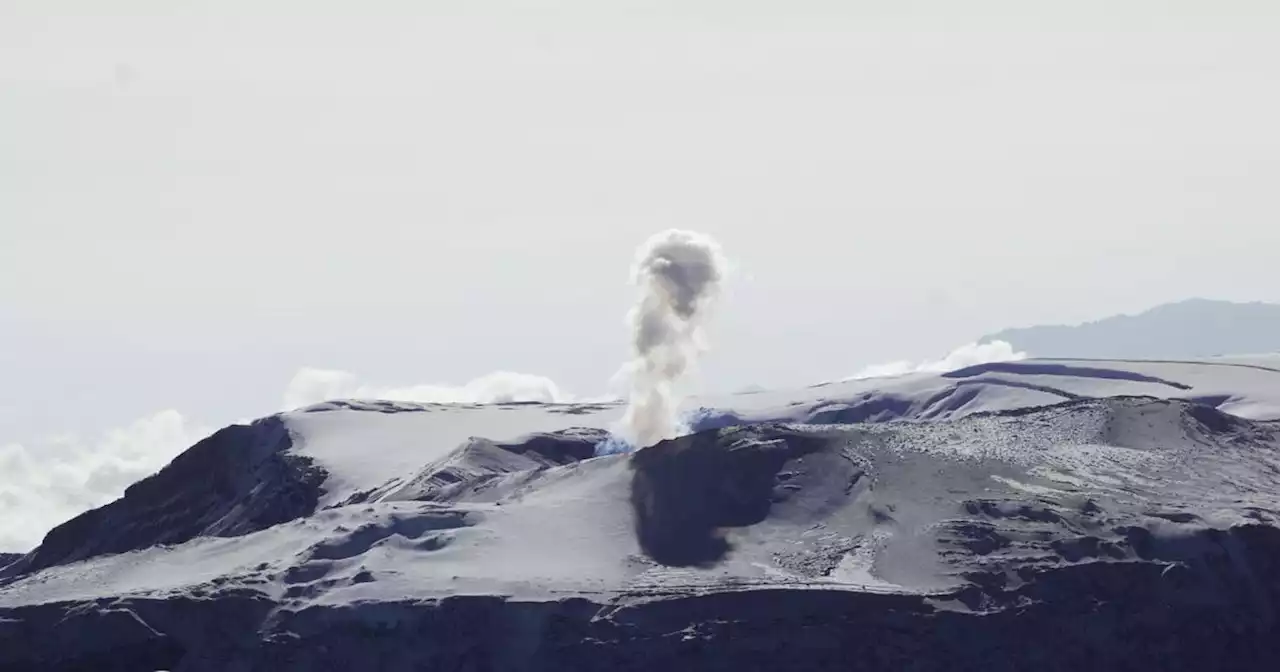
[1191, 328]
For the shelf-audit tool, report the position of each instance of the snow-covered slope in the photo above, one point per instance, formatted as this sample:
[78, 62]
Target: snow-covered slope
[367, 445]
[931, 521]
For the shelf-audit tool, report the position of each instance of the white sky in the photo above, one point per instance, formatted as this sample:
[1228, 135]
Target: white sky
[199, 199]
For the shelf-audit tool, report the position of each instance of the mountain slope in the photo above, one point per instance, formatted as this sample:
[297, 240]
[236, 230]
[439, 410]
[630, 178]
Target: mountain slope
[1052, 515]
[239, 480]
[1187, 329]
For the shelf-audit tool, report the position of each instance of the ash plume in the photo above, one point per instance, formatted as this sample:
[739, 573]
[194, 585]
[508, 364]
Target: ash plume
[678, 275]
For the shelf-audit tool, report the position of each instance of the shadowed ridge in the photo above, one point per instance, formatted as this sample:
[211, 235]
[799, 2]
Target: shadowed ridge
[474, 466]
[556, 448]
[1051, 369]
[238, 480]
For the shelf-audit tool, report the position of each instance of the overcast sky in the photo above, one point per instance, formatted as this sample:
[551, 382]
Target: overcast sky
[198, 199]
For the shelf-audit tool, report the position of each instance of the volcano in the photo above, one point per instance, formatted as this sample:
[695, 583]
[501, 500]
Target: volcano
[1047, 514]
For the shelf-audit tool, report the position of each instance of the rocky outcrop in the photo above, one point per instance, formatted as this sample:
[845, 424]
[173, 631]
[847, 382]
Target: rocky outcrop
[238, 480]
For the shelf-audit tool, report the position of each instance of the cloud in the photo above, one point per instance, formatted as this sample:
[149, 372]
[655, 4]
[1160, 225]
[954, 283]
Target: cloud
[963, 356]
[311, 386]
[47, 482]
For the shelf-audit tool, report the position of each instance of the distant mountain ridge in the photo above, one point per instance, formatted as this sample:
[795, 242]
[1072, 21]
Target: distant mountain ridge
[1193, 328]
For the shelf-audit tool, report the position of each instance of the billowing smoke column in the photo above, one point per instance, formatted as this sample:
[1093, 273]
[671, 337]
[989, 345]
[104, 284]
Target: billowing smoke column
[678, 275]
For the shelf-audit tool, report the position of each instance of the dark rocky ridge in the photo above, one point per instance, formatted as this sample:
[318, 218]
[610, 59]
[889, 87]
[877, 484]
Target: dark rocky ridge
[236, 481]
[996, 560]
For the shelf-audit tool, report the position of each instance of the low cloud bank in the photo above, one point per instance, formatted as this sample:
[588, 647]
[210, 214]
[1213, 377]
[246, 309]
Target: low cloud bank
[47, 482]
[312, 386]
[970, 354]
